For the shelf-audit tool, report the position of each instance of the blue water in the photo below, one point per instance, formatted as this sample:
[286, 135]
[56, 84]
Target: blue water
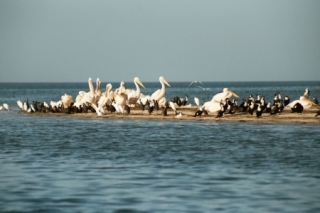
[63, 164]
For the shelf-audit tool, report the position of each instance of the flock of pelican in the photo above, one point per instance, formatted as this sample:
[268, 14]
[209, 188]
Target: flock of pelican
[119, 100]
[122, 99]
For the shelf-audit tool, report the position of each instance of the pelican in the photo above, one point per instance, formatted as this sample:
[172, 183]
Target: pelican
[6, 106]
[1, 107]
[107, 94]
[227, 93]
[135, 93]
[210, 106]
[157, 95]
[20, 104]
[98, 90]
[102, 103]
[122, 88]
[305, 102]
[120, 98]
[66, 100]
[89, 96]
[117, 107]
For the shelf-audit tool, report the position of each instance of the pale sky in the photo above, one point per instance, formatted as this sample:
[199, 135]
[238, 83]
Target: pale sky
[72, 40]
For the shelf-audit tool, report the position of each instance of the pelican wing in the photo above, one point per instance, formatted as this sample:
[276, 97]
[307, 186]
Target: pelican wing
[212, 106]
[196, 100]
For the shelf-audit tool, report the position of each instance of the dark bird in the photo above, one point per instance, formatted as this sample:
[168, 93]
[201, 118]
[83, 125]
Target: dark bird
[274, 109]
[156, 105]
[286, 101]
[281, 106]
[142, 106]
[221, 111]
[164, 111]
[251, 108]
[259, 111]
[298, 108]
[268, 108]
[318, 113]
[127, 108]
[198, 112]
[111, 108]
[150, 106]
[250, 99]
[184, 101]
[84, 108]
[277, 98]
[315, 100]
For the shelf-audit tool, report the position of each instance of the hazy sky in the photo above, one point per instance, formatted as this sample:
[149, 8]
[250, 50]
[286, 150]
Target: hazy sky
[70, 41]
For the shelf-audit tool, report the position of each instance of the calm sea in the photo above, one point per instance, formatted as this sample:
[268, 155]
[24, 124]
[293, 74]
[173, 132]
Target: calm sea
[61, 164]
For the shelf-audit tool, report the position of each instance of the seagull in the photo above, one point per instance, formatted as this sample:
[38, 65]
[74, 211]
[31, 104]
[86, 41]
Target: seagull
[195, 82]
[179, 115]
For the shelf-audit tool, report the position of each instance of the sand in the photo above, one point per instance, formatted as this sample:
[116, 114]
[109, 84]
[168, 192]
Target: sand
[306, 117]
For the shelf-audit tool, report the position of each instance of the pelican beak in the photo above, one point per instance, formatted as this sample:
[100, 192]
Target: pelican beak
[164, 81]
[140, 83]
[234, 94]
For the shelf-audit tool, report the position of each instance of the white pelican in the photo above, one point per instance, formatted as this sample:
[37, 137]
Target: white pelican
[135, 93]
[122, 88]
[1, 108]
[117, 107]
[98, 89]
[120, 98]
[305, 102]
[66, 100]
[89, 96]
[102, 103]
[20, 104]
[227, 93]
[6, 106]
[210, 106]
[157, 95]
[108, 94]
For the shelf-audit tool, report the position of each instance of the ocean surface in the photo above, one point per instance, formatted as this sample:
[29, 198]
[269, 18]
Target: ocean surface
[62, 164]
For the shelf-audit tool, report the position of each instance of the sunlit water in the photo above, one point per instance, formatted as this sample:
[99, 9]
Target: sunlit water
[64, 164]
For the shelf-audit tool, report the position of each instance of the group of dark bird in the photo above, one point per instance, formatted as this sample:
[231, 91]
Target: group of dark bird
[256, 106]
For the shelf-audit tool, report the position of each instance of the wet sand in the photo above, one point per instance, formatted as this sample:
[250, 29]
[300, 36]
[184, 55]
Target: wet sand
[306, 117]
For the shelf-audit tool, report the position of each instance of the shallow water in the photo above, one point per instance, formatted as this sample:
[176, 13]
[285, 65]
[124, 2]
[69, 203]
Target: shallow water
[63, 164]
